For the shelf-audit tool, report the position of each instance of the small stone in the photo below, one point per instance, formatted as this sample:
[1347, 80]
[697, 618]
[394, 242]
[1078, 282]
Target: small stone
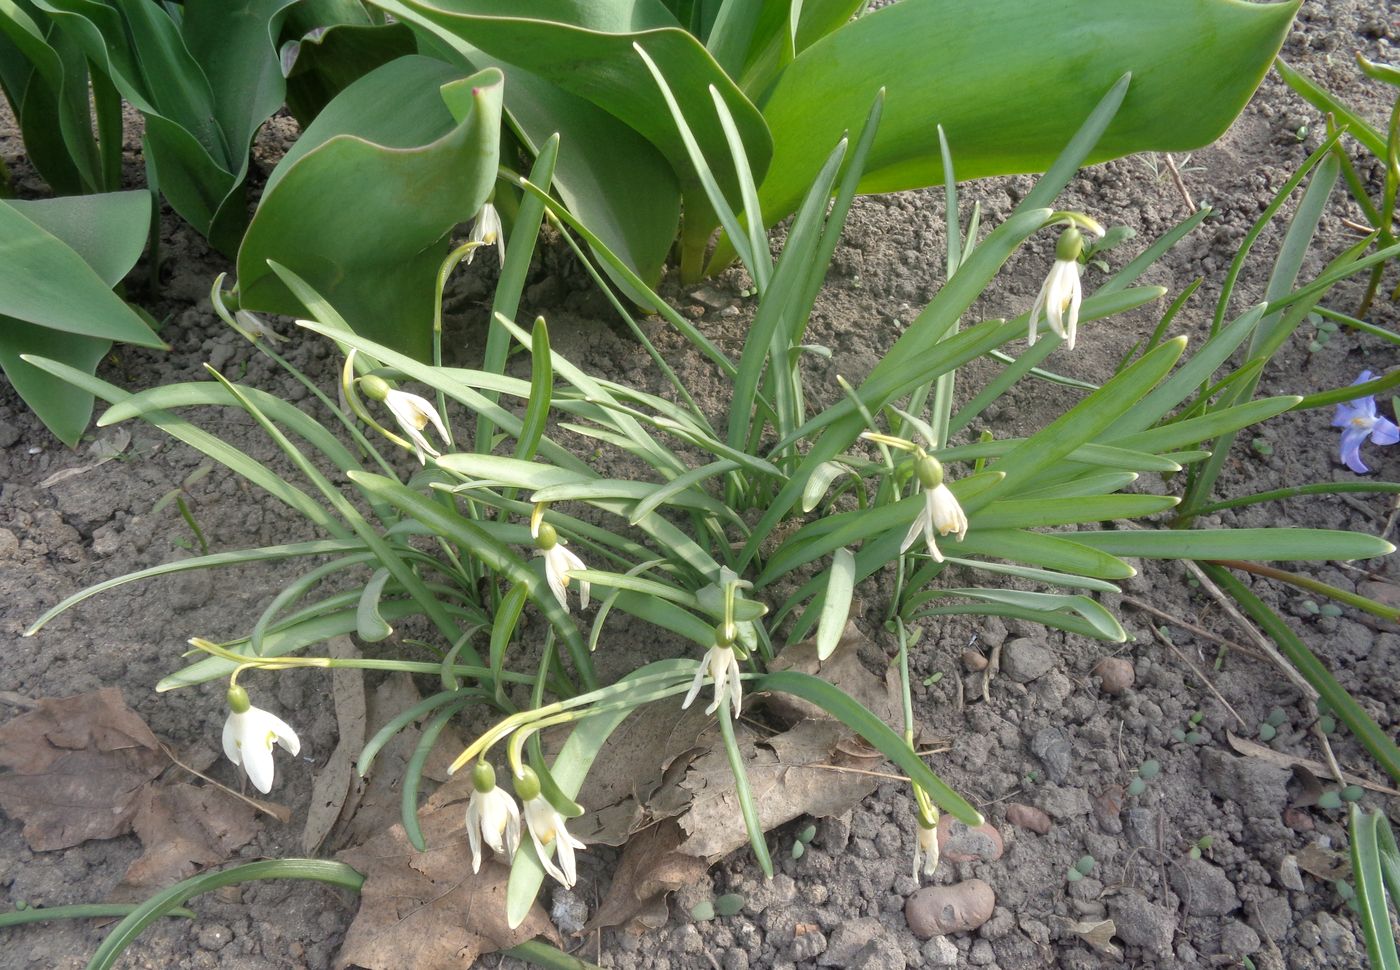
[1274, 916]
[1238, 940]
[713, 297]
[1143, 923]
[9, 544]
[1052, 746]
[1298, 819]
[849, 939]
[1023, 660]
[973, 660]
[981, 954]
[1140, 825]
[9, 434]
[214, 937]
[1289, 877]
[1062, 803]
[1115, 674]
[807, 942]
[1108, 808]
[1258, 787]
[958, 908]
[1027, 817]
[959, 843]
[1204, 888]
[1337, 939]
[881, 953]
[570, 912]
[940, 951]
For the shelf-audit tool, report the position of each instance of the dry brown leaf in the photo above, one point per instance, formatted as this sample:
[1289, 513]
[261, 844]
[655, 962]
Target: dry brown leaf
[106, 446]
[1098, 934]
[1255, 750]
[182, 829]
[331, 786]
[650, 868]
[76, 768]
[376, 797]
[791, 774]
[1323, 863]
[426, 910]
[842, 668]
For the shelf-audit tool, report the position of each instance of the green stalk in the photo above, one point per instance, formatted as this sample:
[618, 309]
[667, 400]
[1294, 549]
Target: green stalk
[40, 914]
[1313, 585]
[752, 822]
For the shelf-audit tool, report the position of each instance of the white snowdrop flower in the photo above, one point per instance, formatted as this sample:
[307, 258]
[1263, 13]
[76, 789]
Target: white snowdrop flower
[254, 328]
[926, 849]
[492, 816]
[250, 733]
[412, 412]
[1061, 295]
[547, 830]
[721, 664]
[558, 560]
[941, 510]
[486, 231]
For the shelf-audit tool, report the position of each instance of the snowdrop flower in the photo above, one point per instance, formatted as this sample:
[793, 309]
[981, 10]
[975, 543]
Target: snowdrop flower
[941, 510]
[254, 328]
[557, 563]
[486, 230]
[249, 734]
[547, 829]
[1359, 421]
[413, 413]
[1061, 295]
[491, 816]
[722, 665]
[926, 848]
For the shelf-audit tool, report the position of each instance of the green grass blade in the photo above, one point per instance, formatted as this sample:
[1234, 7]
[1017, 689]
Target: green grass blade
[1370, 888]
[743, 792]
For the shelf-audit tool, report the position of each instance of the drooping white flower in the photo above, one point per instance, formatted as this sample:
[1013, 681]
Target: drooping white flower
[722, 666]
[250, 733]
[254, 328]
[547, 830]
[492, 816]
[941, 510]
[926, 849]
[558, 560]
[486, 230]
[1061, 295]
[413, 414]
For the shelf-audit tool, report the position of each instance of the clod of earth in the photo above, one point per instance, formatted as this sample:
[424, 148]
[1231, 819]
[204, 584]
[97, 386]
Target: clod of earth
[1115, 674]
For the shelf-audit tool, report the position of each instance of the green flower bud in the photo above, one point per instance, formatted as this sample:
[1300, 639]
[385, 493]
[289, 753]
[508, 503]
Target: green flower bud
[929, 470]
[1069, 245]
[375, 388]
[527, 784]
[238, 700]
[548, 537]
[483, 777]
[725, 634]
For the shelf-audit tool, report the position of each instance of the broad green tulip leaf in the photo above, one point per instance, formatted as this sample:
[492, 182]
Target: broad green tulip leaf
[45, 77]
[614, 180]
[587, 49]
[204, 84]
[328, 59]
[1010, 83]
[363, 205]
[62, 257]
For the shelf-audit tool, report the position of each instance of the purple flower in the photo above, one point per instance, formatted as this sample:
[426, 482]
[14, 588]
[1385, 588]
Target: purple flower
[1359, 421]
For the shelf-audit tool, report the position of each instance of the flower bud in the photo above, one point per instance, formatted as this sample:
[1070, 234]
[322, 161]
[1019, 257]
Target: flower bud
[483, 777]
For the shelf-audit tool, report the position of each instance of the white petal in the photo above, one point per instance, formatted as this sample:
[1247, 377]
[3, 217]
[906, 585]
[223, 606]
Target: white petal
[554, 576]
[231, 739]
[286, 737]
[1076, 297]
[257, 761]
[928, 540]
[512, 827]
[698, 682]
[574, 562]
[736, 686]
[915, 528]
[565, 845]
[474, 829]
